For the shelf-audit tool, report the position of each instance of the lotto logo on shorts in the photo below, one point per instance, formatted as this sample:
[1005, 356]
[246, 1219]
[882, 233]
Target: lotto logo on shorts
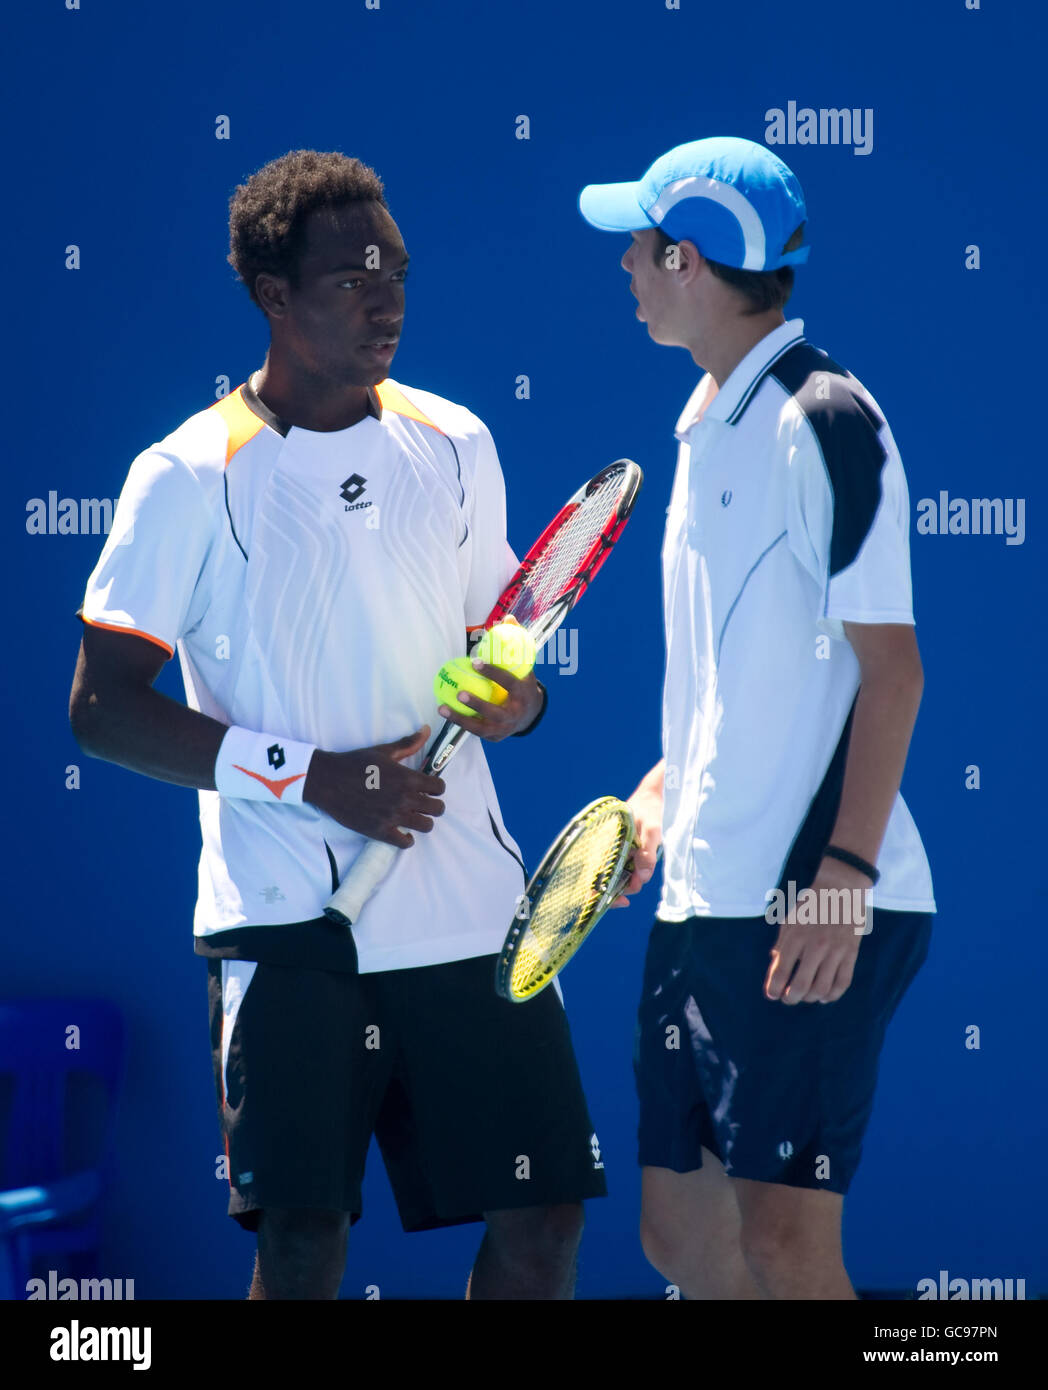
[595, 1151]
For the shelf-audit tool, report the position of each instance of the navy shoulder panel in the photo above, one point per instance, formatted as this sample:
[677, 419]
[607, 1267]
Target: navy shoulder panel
[846, 425]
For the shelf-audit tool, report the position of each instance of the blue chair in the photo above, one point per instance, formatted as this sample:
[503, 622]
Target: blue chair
[57, 1116]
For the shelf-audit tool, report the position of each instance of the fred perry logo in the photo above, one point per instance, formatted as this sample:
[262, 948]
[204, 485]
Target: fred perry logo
[726, 497]
[785, 1150]
[353, 489]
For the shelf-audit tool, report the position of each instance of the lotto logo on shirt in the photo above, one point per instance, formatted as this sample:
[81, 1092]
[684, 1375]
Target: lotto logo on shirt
[352, 489]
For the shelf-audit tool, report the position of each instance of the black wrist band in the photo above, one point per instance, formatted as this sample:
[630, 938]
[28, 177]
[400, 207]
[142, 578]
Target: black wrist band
[523, 733]
[855, 860]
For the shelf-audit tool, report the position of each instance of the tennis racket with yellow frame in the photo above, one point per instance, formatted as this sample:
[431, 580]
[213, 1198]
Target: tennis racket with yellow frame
[581, 875]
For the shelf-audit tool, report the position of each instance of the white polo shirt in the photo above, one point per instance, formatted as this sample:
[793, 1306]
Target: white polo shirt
[312, 584]
[789, 515]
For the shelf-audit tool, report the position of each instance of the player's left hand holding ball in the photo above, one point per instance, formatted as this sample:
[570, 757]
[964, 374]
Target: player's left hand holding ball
[496, 694]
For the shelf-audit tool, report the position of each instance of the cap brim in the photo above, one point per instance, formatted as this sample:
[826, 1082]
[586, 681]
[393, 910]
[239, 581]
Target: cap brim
[613, 207]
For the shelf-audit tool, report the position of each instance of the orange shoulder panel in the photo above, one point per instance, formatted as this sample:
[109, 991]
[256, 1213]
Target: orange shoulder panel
[241, 421]
[392, 398]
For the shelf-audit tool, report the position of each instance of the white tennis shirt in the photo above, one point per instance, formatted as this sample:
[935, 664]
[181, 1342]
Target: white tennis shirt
[789, 515]
[312, 584]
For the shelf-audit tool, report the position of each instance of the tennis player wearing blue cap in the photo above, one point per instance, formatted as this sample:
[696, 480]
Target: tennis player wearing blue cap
[792, 686]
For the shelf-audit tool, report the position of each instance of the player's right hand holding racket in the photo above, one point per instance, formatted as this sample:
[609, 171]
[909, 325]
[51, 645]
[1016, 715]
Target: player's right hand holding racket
[384, 807]
[646, 805]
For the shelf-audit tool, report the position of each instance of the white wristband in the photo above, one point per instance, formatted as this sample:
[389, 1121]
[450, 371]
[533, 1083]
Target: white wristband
[262, 767]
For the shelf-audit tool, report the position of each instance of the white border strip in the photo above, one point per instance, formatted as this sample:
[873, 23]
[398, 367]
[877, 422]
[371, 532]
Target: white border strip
[236, 976]
[727, 197]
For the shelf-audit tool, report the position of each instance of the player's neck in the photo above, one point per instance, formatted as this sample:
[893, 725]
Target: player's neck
[722, 352]
[302, 398]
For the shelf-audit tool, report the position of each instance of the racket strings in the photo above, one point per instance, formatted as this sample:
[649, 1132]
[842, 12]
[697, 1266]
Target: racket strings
[563, 557]
[568, 903]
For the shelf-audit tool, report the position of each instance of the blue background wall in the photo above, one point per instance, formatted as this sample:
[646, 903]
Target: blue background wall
[111, 147]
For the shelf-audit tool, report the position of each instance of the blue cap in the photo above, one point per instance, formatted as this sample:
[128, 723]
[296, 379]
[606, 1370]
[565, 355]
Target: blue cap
[737, 202]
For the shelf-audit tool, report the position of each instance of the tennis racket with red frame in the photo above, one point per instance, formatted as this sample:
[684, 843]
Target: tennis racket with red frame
[552, 577]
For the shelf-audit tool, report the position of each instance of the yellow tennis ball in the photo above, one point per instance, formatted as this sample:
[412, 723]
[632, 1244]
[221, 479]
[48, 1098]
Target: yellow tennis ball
[458, 674]
[508, 646]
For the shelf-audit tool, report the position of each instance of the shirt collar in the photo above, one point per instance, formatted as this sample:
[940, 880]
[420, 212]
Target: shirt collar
[257, 406]
[728, 403]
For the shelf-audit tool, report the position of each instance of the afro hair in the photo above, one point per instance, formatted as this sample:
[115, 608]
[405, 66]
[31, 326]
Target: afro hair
[267, 214]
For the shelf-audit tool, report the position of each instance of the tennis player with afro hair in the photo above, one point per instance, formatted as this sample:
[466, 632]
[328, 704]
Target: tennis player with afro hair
[315, 546]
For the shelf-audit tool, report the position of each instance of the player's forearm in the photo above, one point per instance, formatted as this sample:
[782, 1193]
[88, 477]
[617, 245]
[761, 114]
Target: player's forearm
[651, 784]
[646, 805]
[147, 732]
[885, 714]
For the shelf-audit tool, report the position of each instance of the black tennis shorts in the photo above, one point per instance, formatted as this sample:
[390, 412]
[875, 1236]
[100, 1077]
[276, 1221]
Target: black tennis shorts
[780, 1093]
[476, 1103]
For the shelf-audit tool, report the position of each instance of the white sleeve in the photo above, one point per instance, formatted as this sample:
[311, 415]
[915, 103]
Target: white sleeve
[848, 525]
[147, 572]
[492, 561]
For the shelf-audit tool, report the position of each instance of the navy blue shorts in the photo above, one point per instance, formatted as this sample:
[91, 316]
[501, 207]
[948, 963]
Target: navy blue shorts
[780, 1093]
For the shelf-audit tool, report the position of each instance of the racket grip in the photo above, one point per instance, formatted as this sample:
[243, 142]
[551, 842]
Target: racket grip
[371, 866]
[376, 859]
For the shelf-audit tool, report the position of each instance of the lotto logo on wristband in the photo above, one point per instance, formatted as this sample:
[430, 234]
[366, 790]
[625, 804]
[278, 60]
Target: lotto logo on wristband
[246, 759]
